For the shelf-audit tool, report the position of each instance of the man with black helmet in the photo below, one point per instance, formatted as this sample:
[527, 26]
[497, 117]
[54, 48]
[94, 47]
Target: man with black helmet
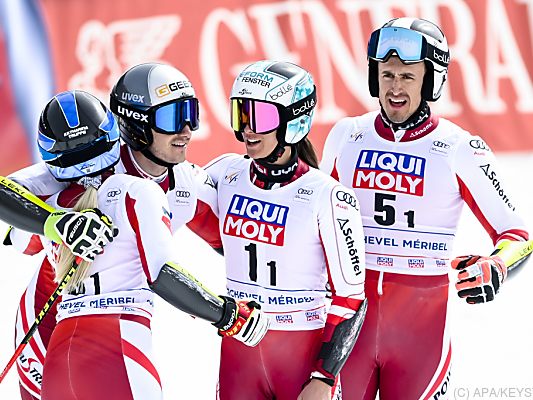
[413, 172]
[157, 111]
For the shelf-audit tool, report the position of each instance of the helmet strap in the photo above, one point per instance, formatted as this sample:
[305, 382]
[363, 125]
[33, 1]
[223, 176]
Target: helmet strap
[149, 155]
[276, 173]
[421, 115]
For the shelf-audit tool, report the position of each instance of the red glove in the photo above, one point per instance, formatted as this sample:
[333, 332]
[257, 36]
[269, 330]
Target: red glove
[479, 278]
[243, 320]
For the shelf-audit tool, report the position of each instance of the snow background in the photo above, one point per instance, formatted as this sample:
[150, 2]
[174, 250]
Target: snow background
[492, 343]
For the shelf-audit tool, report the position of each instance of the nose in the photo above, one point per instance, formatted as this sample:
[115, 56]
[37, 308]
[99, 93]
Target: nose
[185, 131]
[247, 129]
[397, 85]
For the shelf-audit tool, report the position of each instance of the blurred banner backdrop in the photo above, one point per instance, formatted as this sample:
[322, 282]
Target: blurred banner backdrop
[48, 46]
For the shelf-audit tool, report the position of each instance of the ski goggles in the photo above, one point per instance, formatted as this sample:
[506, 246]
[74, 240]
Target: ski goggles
[263, 116]
[60, 152]
[167, 118]
[409, 45]
[93, 165]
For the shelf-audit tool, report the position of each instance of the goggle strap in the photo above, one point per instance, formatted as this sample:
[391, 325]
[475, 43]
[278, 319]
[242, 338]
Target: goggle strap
[301, 107]
[128, 112]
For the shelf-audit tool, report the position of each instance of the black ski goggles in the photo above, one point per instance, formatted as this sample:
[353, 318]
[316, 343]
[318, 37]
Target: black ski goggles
[167, 118]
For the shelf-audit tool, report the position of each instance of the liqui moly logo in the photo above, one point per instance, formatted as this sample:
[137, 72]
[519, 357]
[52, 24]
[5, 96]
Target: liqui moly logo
[257, 220]
[393, 172]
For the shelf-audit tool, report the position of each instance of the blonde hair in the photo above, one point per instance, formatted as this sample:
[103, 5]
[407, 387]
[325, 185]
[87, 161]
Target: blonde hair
[88, 199]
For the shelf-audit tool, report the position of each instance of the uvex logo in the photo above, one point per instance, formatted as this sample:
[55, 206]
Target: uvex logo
[132, 114]
[133, 97]
[308, 105]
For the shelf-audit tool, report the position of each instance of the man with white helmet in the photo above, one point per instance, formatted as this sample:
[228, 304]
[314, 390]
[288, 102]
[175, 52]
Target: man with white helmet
[157, 111]
[413, 172]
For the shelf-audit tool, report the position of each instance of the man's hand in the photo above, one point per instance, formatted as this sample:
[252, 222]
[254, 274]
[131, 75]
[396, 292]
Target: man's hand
[85, 232]
[243, 320]
[479, 278]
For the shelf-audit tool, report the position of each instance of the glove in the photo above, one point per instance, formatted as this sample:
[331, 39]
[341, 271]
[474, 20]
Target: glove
[243, 320]
[479, 278]
[85, 232]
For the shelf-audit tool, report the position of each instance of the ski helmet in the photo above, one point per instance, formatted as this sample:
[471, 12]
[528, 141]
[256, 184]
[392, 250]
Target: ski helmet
[153, 96]
[269, 95]
[78, 136]
[412, 40]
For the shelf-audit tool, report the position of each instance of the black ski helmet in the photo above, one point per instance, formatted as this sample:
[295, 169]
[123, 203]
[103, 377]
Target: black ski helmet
[144, 89]
[78, 136]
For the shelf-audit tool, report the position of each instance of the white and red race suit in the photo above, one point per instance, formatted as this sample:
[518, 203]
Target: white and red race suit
[281, 247]
[412, 191]
[192, 202]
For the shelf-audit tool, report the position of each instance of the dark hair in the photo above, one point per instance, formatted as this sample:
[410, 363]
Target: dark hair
[307, 153]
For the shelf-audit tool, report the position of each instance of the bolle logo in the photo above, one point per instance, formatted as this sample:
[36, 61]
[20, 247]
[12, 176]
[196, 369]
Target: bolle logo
[165, 89]
[393, 172]
[132, 114]
[307, 106]
[352, 251]
[281, 92]
[443, 58]
[137, 98]
[256, 220]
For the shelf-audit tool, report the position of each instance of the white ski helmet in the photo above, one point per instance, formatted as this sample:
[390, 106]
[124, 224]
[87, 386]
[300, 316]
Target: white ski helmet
[412, 40]
[269, 95]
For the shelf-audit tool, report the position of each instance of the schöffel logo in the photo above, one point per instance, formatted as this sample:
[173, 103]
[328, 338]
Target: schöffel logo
[393, 172]
[385, 261]
[415, 263]
[257, 220]
[284, 319]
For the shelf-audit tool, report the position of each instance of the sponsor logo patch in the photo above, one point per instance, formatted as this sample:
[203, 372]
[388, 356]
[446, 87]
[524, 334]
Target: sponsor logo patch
[392, 172]
[415, 263]
[284, 319]
[257, 220]
[385, 261]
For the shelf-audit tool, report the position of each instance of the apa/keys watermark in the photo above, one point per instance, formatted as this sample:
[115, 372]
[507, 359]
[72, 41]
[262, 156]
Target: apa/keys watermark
[487, 392]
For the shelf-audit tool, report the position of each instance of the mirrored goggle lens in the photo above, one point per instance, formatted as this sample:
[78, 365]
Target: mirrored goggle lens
[172, 117]
[407, 44]
[261, 117]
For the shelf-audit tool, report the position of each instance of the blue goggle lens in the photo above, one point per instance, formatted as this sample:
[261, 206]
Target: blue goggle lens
[172, 118]
[409, 45]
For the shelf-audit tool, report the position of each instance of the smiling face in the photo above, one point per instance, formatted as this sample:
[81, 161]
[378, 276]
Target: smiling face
[260, 145]
[171, 148]
[400, 88]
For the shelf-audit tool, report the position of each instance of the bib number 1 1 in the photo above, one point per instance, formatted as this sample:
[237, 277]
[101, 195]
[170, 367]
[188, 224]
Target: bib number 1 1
[252, 257]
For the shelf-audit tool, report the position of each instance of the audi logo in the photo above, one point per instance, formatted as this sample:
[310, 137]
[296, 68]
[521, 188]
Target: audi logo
[113, 193]
[347, 198]
[183, 193]
[440, 144]
[305, 191]
[479, 144]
